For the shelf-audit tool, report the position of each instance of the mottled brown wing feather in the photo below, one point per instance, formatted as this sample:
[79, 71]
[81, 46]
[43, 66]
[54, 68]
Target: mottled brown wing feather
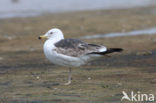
[75, 48]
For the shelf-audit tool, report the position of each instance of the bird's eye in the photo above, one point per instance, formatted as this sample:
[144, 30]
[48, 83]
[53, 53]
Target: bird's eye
[51, 32]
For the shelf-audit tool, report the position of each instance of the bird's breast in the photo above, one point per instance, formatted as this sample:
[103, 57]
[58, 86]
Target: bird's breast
[60, 59]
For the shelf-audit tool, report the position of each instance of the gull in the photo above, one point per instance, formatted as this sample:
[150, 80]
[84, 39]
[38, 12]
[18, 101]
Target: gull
[71, 52]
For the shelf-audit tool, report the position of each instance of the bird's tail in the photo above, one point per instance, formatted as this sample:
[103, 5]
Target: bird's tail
[109, 50]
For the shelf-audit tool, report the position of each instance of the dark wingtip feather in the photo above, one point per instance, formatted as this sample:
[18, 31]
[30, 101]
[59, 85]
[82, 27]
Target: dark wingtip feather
[109, 50]
[115, 49]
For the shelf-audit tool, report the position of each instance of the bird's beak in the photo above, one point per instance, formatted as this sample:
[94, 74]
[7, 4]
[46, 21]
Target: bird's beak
[42, 37]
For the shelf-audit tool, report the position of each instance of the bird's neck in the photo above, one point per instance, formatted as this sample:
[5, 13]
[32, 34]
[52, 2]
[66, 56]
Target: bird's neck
[54, 39]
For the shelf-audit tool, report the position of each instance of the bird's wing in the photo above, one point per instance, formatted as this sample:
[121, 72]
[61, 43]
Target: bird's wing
[75, 47]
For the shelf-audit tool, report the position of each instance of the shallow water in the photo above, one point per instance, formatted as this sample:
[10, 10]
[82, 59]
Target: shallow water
[149, 31]
[24, 8]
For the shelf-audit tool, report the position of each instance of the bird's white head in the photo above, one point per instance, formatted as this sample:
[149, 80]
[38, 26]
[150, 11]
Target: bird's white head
[54, 33]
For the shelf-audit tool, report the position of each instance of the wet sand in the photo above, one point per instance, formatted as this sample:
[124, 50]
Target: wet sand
[26, 76]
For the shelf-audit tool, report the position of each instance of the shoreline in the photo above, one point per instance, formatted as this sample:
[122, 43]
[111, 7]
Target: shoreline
[15, 9]
[36, 15]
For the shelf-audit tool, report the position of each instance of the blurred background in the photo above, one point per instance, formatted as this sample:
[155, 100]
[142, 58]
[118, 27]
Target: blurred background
[22, 8]
[26, 76]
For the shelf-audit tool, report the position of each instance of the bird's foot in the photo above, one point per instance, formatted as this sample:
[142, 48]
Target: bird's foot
[68, 83]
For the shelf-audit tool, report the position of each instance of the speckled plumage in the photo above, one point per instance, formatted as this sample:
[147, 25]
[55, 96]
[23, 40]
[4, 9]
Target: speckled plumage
[75, 47]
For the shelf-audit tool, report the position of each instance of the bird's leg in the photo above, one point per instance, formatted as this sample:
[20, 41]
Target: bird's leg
[69, 77]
